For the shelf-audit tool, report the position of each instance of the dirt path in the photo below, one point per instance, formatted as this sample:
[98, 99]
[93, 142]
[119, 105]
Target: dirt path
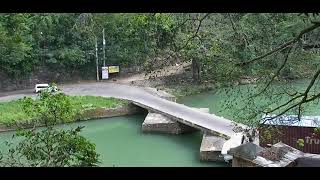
[171, 70]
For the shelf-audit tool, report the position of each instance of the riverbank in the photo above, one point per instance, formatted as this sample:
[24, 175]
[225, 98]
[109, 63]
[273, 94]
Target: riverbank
[180, 83]
[184, 89]
[88, 108]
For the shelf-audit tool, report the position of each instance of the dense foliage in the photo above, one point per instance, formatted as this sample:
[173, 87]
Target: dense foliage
[67, 40]
[223, 47]
[217, 41]
[49, 147]
[12, 113]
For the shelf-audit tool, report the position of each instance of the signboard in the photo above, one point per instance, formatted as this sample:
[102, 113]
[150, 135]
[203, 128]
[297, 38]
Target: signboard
[105, 73]
[113, 69]
[290, 135]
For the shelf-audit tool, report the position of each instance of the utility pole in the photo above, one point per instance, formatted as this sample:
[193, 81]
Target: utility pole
[97, 61]
[104, 49]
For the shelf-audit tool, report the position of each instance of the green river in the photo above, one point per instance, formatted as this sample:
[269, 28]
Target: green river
[120, 142]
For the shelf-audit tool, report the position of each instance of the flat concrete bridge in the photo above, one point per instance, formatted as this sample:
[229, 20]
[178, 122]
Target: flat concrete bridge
[208, 123]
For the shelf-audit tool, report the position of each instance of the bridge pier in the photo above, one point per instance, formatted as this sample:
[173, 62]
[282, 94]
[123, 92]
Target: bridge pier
[158, 123]
[211, 147]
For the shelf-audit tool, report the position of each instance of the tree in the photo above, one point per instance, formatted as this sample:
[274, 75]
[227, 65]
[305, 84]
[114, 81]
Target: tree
[49, 147]
[269, 48]
[222, 47]
[15, 44]
[293, 55]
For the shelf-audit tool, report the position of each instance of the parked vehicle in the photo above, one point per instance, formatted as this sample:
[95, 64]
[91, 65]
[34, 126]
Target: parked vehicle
[40, 87]
[47, 87]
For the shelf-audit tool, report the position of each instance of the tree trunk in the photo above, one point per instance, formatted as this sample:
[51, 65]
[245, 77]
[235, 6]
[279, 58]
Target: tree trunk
[196, 71]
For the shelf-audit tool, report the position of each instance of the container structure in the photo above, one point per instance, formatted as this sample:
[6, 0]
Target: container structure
[291, 131]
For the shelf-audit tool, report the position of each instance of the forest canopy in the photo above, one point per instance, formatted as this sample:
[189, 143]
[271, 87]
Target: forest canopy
[222, 47]
[218, 41]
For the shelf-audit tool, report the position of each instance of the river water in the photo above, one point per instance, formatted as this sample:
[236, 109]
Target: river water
[121, 143]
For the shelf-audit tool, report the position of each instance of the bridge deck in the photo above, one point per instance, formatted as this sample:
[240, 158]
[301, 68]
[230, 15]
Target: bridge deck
[184, 114]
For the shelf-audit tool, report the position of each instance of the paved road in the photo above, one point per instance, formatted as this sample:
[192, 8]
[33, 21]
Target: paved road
[207, 121]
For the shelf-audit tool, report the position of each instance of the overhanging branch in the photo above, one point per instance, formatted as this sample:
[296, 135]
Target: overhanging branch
[196, 33]
[276, 74]
[304, 99]
[283, 46]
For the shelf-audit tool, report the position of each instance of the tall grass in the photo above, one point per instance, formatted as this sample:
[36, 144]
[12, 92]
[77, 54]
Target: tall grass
[12, 111]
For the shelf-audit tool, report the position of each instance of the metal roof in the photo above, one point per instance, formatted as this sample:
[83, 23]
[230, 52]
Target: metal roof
[292, 120]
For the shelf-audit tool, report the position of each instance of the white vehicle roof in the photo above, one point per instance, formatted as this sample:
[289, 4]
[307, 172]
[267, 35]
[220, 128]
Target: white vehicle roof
[42, 84]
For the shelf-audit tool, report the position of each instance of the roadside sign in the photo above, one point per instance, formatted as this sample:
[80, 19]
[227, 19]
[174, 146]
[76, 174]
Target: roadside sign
[113, 69]
[105, 73]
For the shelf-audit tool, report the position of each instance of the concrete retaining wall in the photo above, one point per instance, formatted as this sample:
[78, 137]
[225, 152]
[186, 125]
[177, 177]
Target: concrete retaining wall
[107, 112]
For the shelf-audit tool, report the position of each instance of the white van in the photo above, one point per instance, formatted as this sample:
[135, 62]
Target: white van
[40, 87]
